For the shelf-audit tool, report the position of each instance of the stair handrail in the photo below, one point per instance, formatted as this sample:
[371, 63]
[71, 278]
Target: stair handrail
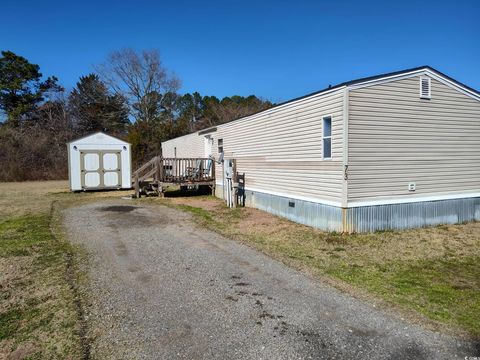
[141, 173]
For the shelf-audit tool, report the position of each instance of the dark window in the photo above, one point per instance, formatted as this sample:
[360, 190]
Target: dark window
[220, 146]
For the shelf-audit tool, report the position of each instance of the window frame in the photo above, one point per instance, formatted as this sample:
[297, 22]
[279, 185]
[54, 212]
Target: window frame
[327, 137]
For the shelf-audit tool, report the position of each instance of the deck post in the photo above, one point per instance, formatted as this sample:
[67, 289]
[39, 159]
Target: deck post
[137, 186]
[157, 168]
[213, 177]
[235, 184]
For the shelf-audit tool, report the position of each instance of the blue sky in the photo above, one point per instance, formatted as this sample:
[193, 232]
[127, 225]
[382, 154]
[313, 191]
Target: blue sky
[274, 49]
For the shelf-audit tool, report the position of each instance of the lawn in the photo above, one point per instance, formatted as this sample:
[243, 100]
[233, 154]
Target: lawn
[40, 312]
[429, 275]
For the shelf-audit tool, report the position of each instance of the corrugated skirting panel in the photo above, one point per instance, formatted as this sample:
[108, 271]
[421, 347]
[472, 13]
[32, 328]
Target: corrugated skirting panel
[412, 215]
[317, 215]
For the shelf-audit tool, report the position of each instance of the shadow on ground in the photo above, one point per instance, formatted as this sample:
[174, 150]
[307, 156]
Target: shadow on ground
[195, 190]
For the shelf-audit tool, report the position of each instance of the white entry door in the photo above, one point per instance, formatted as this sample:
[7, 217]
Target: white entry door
[100, 169]
[208, 146]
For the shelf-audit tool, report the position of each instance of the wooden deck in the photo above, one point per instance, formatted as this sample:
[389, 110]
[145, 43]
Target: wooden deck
[159, 172]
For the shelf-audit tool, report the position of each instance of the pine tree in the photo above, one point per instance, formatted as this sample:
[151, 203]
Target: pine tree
[94, 109]
[21, 88]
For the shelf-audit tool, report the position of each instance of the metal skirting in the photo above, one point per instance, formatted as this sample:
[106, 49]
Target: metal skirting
[365, 218]
[317, 215]
[411, 215]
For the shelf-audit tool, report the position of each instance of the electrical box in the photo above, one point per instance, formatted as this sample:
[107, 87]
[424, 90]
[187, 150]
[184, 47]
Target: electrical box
[412, 186]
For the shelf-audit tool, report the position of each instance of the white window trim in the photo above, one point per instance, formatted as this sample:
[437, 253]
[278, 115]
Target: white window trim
[429, 96]
[327, 137]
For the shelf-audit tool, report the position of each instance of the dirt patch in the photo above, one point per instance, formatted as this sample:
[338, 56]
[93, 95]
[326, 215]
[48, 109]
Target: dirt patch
[260, 220]
[205, 203]
[23, 351]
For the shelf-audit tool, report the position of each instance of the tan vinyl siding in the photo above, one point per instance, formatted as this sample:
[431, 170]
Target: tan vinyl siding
[188, 146]
[396, 138]
[280, 150]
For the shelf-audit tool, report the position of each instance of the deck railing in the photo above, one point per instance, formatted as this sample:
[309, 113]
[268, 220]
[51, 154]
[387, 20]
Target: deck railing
[187, 170]
[160, 171]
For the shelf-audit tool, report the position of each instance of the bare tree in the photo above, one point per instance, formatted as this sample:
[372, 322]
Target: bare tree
[141, 78]
[230, 108]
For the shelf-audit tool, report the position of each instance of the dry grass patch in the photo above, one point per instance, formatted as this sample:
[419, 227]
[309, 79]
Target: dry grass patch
[433, 271]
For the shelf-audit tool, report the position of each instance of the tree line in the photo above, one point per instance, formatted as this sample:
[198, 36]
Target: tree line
[131, 96]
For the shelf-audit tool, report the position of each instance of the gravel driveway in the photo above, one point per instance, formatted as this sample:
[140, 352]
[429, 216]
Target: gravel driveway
[162, 288]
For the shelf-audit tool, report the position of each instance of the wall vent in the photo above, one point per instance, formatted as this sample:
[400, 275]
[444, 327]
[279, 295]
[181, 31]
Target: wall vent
[425, 88]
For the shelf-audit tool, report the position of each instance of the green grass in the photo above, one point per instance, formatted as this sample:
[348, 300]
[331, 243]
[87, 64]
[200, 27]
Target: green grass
[434, 272]
[202, 214]
[443, 290]
[20, 321]
[37, 310]
[23, 236]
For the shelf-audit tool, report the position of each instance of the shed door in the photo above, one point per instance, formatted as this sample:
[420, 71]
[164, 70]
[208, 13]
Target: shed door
[100, 169]
[111, 169]
[90, 169]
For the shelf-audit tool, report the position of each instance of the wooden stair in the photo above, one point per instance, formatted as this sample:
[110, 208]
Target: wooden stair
[151, 177]
[145, 180]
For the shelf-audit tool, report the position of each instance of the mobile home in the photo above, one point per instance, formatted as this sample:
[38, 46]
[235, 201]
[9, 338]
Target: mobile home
[393, 151]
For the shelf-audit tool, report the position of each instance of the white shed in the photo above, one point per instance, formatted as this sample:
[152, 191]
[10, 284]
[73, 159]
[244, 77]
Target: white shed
[99, 161]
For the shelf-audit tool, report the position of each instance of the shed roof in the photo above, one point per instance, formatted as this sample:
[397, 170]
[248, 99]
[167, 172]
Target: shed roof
[98, 138]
